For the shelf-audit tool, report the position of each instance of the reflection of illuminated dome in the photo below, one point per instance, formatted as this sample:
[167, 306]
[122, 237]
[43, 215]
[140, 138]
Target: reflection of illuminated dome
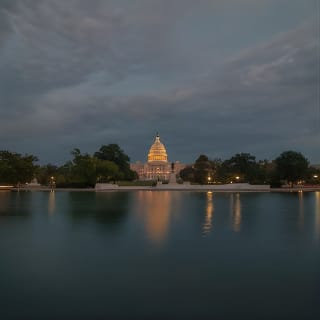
[157, 151]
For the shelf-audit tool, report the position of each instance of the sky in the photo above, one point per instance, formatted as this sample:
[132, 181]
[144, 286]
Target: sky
[214, 77]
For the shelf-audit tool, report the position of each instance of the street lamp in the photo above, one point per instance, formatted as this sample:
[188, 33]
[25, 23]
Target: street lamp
[52, 183]
[209, 179]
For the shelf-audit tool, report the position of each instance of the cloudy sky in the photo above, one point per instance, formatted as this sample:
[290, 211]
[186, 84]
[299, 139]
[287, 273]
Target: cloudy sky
[212, 76]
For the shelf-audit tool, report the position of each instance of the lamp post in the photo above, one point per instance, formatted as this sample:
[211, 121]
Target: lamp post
[52, 183]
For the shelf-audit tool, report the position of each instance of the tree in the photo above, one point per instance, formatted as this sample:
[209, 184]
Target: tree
[220, 171]
[203, 169]
[106, 170]
[83, 169]
[44, 173]
[64, 176]
[187, 174]
[245, 167]
[113, 153]
[15, 168]
[313, 176]
[291, 166]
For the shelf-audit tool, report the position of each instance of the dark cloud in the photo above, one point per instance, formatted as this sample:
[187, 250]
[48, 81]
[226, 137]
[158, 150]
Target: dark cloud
[82, 74]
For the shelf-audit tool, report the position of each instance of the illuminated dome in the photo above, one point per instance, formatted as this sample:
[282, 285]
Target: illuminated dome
[157, 151]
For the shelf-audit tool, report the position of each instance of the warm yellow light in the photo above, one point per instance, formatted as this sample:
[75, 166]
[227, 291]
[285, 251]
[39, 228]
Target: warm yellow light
[315, 176]
[157, 151]
[237, 177]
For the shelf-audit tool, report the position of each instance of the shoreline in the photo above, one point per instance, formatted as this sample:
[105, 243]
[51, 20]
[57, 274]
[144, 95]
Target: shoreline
[200, 188]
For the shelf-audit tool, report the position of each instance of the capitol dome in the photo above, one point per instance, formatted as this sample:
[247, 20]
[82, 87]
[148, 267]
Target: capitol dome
[157, 151]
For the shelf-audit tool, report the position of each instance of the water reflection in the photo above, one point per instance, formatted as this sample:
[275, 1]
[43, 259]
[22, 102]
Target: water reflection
[112, 208]
[207, 226]
[317, 214]
[4, 202]
[301, 209]
[15, 203]
[51, 202]
[235, 207]
[107, 208]
[154, 208]
[86, 271]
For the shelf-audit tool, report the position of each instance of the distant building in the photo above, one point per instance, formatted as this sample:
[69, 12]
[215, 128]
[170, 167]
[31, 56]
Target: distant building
[157, 167]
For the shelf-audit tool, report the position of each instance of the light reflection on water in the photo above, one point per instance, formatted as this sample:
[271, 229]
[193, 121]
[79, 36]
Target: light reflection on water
[235, 207]
[98, 254]
[51, 202]
[4, 200]
[207, 226]
[301, 210]
[154, 209]
[317, 214]
[15, 203]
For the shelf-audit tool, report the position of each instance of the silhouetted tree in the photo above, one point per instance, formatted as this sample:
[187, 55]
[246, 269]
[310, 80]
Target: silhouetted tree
[244, 166]
[203, 169]
[187, 174]
[16, 168]
[44, 173]
[113, 153]
[291, 166]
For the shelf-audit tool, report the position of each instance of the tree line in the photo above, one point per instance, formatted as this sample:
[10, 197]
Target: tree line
[111, 164]
[290, 168]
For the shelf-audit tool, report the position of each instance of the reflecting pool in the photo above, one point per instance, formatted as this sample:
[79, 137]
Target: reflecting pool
[159, 255]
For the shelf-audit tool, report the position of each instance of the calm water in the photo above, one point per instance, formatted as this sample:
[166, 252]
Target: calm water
[159, 255]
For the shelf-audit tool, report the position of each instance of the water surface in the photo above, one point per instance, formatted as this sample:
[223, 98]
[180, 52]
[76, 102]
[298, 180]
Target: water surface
[159, 255]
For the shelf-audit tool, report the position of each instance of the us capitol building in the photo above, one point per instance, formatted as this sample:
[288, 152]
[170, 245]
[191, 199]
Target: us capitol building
[157, 167]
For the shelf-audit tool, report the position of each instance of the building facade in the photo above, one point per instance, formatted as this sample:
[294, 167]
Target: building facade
[157, 166]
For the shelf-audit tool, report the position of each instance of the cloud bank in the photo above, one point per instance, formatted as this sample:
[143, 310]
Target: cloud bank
[82, 74]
